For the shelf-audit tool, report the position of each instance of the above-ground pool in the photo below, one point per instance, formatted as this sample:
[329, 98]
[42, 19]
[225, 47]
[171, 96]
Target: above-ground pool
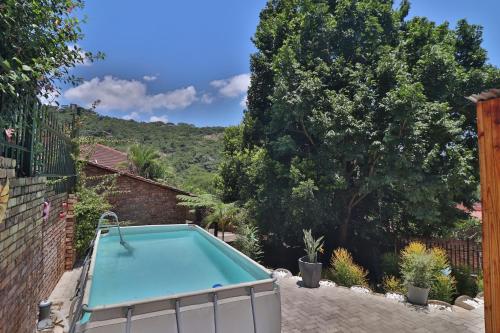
[175, 278]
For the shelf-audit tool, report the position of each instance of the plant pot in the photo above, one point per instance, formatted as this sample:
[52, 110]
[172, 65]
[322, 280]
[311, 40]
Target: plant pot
[310, 272]
[418, 295]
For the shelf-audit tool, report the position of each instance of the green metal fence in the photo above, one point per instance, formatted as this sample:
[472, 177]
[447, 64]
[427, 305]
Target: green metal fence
[42, 143]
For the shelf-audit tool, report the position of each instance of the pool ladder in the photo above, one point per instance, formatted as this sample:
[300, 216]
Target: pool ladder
[128, 324]
[113, 215]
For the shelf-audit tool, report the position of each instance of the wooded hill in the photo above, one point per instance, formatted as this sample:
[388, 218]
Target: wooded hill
[190, 153]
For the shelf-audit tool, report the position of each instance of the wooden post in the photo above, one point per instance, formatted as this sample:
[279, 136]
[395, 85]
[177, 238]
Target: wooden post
[488, 123]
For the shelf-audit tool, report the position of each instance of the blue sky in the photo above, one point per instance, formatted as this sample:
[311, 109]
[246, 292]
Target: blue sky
[188, 61]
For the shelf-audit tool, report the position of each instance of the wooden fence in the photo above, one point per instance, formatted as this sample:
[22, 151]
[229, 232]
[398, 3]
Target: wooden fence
[42, 143]
[460, 252]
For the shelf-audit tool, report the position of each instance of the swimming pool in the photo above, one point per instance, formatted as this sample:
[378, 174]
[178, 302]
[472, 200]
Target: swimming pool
[176, 278]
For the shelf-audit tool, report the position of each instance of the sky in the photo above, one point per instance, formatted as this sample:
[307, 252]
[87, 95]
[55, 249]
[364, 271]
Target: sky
[188, 61]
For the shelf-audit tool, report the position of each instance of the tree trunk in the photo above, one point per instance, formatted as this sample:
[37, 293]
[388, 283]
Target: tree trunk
[344, 228]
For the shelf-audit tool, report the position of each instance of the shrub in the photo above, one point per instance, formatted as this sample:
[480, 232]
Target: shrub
[389, 264]
[248, 241]
[88, 209]
[480, 282]
[443, 288]
[421, 266]
[344, 271]
[392, 284]
[312, 246]
[466, 283]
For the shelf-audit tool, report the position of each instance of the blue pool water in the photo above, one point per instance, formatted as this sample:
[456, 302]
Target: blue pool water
[162, 261]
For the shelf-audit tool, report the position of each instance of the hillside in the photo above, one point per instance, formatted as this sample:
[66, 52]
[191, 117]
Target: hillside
[191, 153]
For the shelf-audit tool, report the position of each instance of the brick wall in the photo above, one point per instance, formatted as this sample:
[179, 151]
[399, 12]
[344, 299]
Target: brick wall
[142, 202]
[32, 250]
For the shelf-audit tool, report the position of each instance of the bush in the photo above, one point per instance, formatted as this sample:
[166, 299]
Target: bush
[480, 282]
[248, 241]
[392, 284]
[344, 271]
[443, 288]
[466, 283]
[389, 264]
[420, 266]
[88, 209]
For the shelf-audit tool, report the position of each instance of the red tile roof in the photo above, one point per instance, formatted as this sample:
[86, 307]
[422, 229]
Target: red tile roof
[104, 155]
[128, 174]
[477, 210]
[110, 159]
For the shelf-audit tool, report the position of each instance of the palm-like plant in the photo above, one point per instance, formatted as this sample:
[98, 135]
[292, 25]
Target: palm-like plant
[223, 214]
[145, 161]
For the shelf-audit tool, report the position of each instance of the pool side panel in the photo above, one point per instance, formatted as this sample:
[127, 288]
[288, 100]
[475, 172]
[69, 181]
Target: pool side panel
[158, 314]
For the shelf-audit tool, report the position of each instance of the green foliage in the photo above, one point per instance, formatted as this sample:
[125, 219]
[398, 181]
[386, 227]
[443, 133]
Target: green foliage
[389, 264]
[188, 155]
[420, 266]
[218, 212]
[355, 114]
[466, 284]
[467, 229]
[88, 209]
[38, 45]
[146, 162]
[392, 284]
[443, 288]
[480, 282]
[248, 242]
[344, 271]
[312, 246]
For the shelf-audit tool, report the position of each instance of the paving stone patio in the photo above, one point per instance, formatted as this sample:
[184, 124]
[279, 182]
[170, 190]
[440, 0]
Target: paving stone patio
[337, 309]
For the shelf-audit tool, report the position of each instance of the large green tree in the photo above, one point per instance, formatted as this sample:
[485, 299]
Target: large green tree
[357, 122]
[38, 45]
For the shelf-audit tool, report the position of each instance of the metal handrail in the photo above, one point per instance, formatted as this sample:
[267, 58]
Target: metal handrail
[110, 214]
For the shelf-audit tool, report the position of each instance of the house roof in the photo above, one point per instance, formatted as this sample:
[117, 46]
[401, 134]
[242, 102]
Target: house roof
[476, 211]
[103, 155]
[484, 96]
[109, 159]
[142, 179]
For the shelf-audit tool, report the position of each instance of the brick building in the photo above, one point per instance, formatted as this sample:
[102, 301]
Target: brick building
[34, 250]
[139, 200]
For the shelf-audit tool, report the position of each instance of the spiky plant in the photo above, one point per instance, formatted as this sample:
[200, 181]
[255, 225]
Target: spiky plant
[223, 214]
[312, 246]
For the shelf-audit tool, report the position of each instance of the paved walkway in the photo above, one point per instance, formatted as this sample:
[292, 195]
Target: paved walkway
[337, 309]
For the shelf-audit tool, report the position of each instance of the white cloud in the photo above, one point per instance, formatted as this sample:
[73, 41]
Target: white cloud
[149, 77]
[85, 61]
[244, 102]
[51, 99]
[233, 86]
[131, 116]
[118, 94]
[207, 99]
[163, 119]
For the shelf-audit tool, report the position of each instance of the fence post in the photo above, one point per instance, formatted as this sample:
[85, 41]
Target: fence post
[488, 134]
[31, 116]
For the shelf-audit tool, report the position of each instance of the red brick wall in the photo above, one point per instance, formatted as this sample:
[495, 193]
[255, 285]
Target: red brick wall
[32, 251]
[141, 202]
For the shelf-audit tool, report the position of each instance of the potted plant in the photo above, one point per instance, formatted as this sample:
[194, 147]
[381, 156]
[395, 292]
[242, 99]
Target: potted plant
[419, 268]
[310, 268]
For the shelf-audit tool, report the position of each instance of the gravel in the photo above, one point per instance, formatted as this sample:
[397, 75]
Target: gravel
[395, 296]
[362, 290]
[327, 283]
